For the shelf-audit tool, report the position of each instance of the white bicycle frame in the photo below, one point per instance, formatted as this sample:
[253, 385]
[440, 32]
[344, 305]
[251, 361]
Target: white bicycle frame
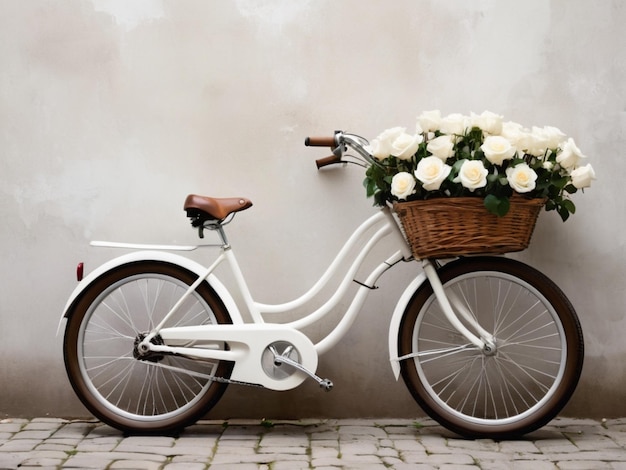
[252, 343]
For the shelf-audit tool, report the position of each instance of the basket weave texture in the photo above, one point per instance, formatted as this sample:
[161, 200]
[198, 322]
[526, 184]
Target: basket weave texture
[447, 227]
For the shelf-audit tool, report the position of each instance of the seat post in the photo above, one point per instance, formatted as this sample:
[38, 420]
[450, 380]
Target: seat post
[222, 234]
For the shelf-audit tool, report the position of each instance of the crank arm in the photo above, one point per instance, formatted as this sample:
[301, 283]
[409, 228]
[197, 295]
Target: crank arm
[324, 383]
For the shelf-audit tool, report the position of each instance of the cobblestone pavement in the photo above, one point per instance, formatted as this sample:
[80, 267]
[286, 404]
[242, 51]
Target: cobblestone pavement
[320, 444]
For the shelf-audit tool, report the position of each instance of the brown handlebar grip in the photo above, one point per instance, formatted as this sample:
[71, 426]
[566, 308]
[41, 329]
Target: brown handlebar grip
[331, 160]
[320, 142]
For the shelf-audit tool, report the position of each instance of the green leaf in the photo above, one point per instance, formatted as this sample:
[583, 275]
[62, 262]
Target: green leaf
[370, 186]
[497, 205]
[571, 189]
[569, 206]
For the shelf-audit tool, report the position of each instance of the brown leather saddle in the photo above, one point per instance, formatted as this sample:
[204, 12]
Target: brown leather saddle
[203, 208]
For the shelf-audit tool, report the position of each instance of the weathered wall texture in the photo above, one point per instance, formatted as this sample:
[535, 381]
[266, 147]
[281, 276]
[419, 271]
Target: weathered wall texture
[112, 111]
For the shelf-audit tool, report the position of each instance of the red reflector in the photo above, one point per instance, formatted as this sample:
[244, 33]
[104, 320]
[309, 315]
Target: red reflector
[79, 272]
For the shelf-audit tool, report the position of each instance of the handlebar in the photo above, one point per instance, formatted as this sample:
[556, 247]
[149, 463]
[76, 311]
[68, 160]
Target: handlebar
[339, 143]
[320, 141]
[330, 160]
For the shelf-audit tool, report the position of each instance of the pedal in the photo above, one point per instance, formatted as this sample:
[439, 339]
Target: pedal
[326, 384]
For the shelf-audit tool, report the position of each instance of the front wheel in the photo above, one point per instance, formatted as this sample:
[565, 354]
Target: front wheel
[131, 391]
[502, 393]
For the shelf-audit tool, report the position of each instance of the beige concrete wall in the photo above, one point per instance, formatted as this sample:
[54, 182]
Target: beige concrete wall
[112, 111]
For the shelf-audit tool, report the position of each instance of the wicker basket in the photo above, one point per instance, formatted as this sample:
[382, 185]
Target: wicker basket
[447, 227]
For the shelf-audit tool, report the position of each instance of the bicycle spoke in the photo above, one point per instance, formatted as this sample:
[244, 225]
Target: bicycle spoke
[486, 387]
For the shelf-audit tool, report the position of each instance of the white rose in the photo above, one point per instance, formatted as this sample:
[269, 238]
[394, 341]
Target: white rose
[570, 155]
[405, 145]
[489, 122]
[429, 121]
[521, 178]
[441, 147]
[381, 146]
[432, 171]
[454, 124]
[533, 142]
[553, 137]
[402, 185]
[582, 176]
[513, 132]
[472, 175]
[497, 149]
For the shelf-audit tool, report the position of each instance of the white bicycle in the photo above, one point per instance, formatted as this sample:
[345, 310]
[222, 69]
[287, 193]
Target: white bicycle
[487, 346]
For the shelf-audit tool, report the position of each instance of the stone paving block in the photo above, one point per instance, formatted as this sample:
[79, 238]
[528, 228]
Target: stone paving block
[87, 461]
[184, 466]
[387, 452]
[409, 446]
[604, 455]
[414, 457]
[52, 446]
[43, 459]
[182, 449]
[240, 434]
[74, 430]
[473, 444]
[457, 459]
[495, 465]
[88, 446]
[359, 432]
[325, 436]
[533, 465]
[589, 441]
[239, 466]
[291, 465]
[489, 455]
[458, 467]
[103, 459]
[32, 435]
[17, 421]
[360, 459]
[556, 446]
[191, 459]
[321, 452]
[587, 465]
[221, 459]
[358, 448]
[135, 465]
[327, 462]
[12, 459]
[390, 461]
[413, 466]
[284, 440]
[361, 466]
[35, 425]
[150, 445]
[238, 445]
[518, 447]
[282, 450]
[19, 445]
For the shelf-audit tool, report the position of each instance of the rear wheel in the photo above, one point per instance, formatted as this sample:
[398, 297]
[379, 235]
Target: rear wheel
[127, 389]
[512, 390]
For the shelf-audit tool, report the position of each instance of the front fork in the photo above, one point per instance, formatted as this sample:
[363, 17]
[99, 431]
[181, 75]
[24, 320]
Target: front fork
[450, 303]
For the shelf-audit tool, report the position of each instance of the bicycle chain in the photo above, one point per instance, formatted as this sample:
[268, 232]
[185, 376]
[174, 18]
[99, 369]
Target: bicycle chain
[233, 382]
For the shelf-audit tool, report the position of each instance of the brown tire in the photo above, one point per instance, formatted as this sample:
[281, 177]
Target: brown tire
[508, 392]
[134, 393]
